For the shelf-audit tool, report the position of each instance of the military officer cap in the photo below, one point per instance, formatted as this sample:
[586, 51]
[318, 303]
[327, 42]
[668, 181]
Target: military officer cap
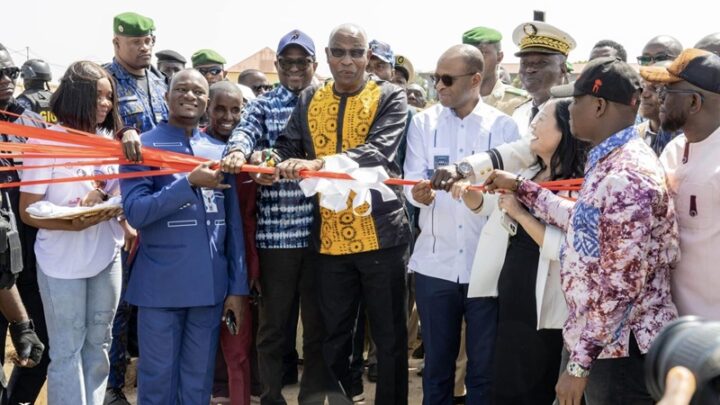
[133, 25]
[403, 64]
[481, 35]
[207, 57]
[540, 37]
[170, 56]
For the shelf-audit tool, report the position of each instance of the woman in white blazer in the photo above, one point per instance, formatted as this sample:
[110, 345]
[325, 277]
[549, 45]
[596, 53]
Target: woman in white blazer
[517, 260]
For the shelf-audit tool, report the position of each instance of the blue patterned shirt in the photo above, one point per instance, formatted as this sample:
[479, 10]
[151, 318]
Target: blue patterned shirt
[138, 108]
[285, 215]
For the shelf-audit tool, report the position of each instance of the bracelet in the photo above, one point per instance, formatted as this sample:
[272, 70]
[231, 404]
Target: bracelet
[103, 194]
[518, 180]
[119, 134]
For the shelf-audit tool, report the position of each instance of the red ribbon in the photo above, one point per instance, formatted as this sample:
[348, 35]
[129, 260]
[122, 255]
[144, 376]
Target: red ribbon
[80, 144]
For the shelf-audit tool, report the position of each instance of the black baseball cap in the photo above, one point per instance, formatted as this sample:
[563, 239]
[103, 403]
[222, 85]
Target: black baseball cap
[697, 67]
[608, 78]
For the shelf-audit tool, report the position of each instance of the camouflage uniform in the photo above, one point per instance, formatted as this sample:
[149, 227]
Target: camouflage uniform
[506, 98]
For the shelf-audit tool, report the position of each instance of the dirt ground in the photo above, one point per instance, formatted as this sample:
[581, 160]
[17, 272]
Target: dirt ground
[290, 392]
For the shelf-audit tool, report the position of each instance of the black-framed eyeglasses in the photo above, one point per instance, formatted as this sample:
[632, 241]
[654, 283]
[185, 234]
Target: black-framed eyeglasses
[355, 53]
[11, 72]
[302, 64]
[663, 91]
[448, 80]
[261, 87]
[646, 60]
[215, 70]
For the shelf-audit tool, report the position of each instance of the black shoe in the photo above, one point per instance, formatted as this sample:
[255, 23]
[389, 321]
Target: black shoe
[290, 377]
[357, 392]
[419, 352]
[115, 396]
[459, 400]
[372, 373]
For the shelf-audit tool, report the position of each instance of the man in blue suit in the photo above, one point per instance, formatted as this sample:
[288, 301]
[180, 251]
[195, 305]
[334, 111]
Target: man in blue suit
[190, 259]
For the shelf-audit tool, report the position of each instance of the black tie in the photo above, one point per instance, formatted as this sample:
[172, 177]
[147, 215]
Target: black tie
[533, 113]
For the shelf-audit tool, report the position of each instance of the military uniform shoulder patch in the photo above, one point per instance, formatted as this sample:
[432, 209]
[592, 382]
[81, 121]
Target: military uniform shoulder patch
[517, 92]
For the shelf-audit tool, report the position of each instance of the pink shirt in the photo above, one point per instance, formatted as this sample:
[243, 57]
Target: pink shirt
[693, 171]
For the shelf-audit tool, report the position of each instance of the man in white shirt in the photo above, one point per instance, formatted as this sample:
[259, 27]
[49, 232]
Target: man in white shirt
[690, 97]
[461, 125]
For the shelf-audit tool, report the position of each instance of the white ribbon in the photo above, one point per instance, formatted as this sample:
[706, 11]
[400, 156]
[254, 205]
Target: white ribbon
[334, 193]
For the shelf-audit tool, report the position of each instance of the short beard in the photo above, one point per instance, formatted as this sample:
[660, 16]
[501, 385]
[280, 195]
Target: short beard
[674, 122]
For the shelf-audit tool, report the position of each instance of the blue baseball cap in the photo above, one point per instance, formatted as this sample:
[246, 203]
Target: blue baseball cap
[382, 51]
[299, 38]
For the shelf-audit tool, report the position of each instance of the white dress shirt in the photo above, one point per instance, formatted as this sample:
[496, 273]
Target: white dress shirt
[449, 233]
[522, 116]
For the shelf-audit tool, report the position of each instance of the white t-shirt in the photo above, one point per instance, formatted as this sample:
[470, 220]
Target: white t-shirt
[72, 254]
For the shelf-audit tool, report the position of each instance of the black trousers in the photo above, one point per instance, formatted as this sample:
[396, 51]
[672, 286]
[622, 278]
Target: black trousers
[616, 381]
[379, 277]
[25, 383]
[285, 274]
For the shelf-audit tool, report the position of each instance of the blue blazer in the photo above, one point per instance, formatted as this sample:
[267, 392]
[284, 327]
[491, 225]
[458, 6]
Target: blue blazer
[191, 249]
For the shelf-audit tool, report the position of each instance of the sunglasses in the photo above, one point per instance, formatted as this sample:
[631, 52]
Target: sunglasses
[265, 87]
[448, 80]
[663, 91]
[355, 53]
[215, 70]
[649, 60]
[12, 72]
[301, 64]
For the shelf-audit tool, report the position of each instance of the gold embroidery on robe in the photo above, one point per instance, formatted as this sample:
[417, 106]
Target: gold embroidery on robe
[344, 232]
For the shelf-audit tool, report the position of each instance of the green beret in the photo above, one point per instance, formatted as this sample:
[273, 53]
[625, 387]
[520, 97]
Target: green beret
[481, 35]
[207, 57]
[133, 25]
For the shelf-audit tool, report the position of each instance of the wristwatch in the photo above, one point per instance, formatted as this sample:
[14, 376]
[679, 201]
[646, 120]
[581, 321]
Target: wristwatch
[464, 169]
[576, 370]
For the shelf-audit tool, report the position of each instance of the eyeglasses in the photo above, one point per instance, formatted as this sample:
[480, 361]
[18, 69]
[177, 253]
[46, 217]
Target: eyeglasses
[646, 60]
[263, 87]
[12, 72]
[355, 53]
[663, 91]
[215, 70]
[448, 80]
[301, 64]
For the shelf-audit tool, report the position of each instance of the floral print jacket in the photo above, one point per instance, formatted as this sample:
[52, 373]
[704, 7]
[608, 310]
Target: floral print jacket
[621, 239]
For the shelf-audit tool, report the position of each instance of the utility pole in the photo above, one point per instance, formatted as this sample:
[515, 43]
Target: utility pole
[27, 53]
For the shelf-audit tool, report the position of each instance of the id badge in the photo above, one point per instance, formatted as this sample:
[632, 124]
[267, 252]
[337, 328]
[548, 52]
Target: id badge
[209, 200]
[441, 157]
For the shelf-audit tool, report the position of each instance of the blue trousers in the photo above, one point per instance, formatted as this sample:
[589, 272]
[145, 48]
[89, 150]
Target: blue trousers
[79, 314]
[442, 305]
[178, 354]
[120, 332]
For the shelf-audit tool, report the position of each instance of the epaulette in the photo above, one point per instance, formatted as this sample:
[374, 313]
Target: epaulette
[523, 103]
[516, 91]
